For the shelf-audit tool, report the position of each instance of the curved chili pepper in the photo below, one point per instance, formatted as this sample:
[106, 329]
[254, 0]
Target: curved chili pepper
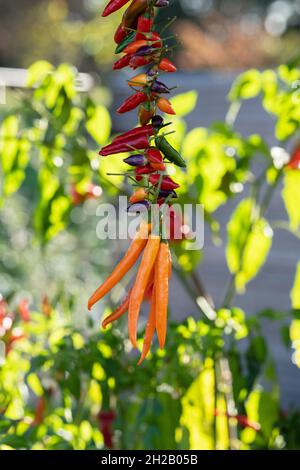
[123, 62]
[139, 288]
[132, 102]
[132, 13]
[113, 5]
[167, 182]
[150, 329]
[162, 292]
[167, 66]
[139, 142]
[118, 313]
[169, 152]
[164, 105]
[130, 258]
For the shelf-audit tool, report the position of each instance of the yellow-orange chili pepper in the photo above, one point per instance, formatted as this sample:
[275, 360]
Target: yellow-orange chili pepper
[150, 329]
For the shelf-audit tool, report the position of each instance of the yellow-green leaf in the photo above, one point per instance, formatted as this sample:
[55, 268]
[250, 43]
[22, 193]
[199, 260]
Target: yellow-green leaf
[291, 197]
[99, 125]
[295, 294]
[184, 103]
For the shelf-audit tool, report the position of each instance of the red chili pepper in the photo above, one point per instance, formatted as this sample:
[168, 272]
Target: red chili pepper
[138, 142]
[294, 163]
[137, 131]
[156, 40]
[145, 24]
[114, 5]
[167, 182]
[154, 155]
[120, 34]
[167, 66]
[139, 61]
[132, 102]
[144, 170]
[123, 62]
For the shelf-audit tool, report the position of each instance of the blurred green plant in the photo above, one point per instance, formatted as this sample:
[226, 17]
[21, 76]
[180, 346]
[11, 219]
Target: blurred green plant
[67, 386]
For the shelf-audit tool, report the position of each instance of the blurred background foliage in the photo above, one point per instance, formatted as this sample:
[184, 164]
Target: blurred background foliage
[64, 384]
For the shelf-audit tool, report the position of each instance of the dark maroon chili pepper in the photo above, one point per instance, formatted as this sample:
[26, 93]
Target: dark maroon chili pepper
[144, 51]
[147, 130]
[139, 142]
[141, 206]
[167, 182]
[157, 121]
[120, 34]
[132, 102]
[162, 3]
[123, 62]
[136, 160]
[142, 171]
[159, 87]
[165, 194]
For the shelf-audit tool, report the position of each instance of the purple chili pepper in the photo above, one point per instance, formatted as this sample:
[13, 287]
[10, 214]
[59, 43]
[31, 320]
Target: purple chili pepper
[162, 3]
[157, 121]
[152, 72]
[165, 194]
[136, 160]
[141, 206]
[144, 50]
[159, 87]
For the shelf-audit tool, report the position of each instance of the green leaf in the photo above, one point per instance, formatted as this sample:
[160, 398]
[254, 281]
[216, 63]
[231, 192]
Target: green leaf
[37, 72]
[99, 125]
[249, 242]
[198, 407]
[295, 294]
[291, 197]
[247, 85]
[184, 103]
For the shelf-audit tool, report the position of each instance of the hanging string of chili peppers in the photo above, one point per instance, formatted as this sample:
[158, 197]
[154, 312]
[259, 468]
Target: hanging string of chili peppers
[150, 154]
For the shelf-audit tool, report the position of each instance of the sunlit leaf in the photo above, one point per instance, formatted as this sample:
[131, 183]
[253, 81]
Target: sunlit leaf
[291, 197]
[246, 86]
[184, 103]
[295, 294]
[99, 125]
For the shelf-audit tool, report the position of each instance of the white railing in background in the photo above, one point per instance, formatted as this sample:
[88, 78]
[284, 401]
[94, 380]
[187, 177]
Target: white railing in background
[16, 78]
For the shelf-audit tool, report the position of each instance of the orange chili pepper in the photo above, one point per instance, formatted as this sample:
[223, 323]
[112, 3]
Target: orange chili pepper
[150, 329]
[118, 313]
[135, 46]
[165, 106]
[139, 80]
[140, 285]
[139, 195]
[162, 292]
[131, 256]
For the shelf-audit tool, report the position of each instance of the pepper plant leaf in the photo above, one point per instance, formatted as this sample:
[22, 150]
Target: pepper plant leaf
[291, 197]
[249, 242]
[295, 294]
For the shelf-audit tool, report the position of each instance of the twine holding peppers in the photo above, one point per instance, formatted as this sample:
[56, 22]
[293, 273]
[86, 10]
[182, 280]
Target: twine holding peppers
[150, 154]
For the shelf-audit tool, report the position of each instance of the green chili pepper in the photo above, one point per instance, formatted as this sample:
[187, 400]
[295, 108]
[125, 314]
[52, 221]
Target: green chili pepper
[126, 41]
[169, 152]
